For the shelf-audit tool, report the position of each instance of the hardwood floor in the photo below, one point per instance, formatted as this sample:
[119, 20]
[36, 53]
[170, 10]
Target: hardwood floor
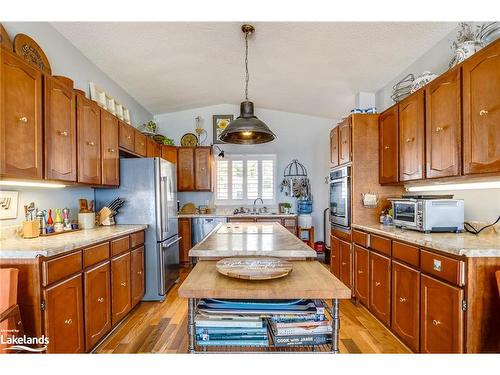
[162, 328]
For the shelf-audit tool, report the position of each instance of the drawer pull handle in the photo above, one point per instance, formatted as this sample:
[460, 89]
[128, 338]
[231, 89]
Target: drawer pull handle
[377, 283]
[402, 299]
[360, 272]
[123, 284]
[68, 321]
[408, 140]
[23, 119]
[436, 322]
[100, 300]
[91, 143]
[483, 112]
[62, 133]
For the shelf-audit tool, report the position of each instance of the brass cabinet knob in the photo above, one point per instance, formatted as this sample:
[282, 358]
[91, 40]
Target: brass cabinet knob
[139, 272]
[68, 321]
[408, 140]
[344, 263]
[436, 322]
[100, 300]
[483, 112]
[377, 283]
[123, 284]
[439, 129]
[360, 272]
[111, 150]
[23, 119]
[129, 137]
[402, 299]
[386, 147]
[62, 133]
[334, 256]
[91, 143]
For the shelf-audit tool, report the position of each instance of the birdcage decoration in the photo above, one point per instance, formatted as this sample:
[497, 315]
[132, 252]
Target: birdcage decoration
[295, 181]
[295, 170]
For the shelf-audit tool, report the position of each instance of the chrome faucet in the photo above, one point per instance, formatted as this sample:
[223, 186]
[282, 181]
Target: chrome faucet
[255, 203]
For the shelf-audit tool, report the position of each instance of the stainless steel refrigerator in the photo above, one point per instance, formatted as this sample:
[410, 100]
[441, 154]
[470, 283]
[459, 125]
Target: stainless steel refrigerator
[149, 187]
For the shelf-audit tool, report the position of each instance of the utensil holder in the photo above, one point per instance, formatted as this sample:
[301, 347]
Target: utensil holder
[31, 229]
[86, 220]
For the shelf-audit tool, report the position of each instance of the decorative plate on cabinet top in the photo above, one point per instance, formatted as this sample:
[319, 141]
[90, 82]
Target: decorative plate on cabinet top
[254, 268]
[31, 52]
[189, 140]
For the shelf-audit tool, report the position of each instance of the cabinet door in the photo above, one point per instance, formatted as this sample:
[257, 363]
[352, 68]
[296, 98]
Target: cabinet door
[388, 145]
[345, 142]
[406, 304]
[140, 143]
[443, 125]
[97, 285]
[185, 169]
[345, 262]
[411, 137]
[361, 275]
[185, 242]
[150, 149]
[335, 256]
[169, 153]
[481, 109]
[20, 119]
[126, 139]
[64, 316]
[120, 287]
[137, 274]
[334, 147]
[441, 317]
[380, 287]
[109, 149]
[60, 131]
[88, 123]
[203, 168]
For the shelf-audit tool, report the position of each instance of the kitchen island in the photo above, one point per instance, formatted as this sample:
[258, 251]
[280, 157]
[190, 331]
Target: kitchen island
[309, 280]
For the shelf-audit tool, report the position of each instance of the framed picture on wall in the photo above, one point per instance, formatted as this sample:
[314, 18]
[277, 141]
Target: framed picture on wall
[220, 123]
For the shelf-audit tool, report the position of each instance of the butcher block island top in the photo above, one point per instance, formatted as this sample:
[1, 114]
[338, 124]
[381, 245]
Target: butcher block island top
[251, 239]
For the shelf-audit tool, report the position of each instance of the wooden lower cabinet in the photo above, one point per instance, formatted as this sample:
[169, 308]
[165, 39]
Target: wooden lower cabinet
[380, 287]
[345, 263]
[185, 242]
[441, 317]
[137, 274]
[97, 289]
[335, 256]
[405, 304]
[63, 316]
[361, 275]
[120, 287]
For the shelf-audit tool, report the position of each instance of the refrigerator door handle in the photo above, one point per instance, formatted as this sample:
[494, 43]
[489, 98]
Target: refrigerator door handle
[163, 207]
[171, 242]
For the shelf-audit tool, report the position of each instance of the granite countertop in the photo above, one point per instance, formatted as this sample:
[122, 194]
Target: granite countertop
[251, 239]
[461, 244]
[226, 214]
[18, 247]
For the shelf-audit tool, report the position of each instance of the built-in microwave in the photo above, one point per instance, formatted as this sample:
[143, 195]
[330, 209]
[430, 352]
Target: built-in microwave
[340, 197]
[429, 215]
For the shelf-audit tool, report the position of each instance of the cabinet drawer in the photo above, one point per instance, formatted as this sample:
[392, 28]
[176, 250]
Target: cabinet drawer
[406, 253]
[136, 239]
[240, 220]
[342, 234]
[289, 222]
[380, 244]
[59, 268]
[442, 267]
[95, 254]
[119, 246]
[360, 238]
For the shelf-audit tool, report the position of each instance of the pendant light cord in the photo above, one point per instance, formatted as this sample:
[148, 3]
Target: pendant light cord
[247, 75]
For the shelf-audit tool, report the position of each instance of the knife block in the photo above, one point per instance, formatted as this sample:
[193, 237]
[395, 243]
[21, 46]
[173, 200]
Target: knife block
[106, 216]
[31, 229]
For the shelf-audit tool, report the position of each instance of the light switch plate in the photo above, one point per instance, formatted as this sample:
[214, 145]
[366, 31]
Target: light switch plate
[8, 204]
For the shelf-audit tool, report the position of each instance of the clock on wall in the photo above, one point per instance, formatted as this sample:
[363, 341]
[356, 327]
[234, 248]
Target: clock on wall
[189, 140]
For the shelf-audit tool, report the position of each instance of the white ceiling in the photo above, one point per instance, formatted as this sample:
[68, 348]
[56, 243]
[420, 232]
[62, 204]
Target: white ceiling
[310, 68]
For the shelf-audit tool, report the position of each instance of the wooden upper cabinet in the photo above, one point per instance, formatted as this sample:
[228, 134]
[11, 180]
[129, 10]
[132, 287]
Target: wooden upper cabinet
[411, 137]
[334, 147]
[140, 143]
[443, 125]
[60, 131]
[88, 123]
[345, 141]
[137, 274]
[203, 168]
[388, 146]
[441, 317]
[109, 149]
[153, 148]
[335, 256]
[481, 110]
[126, 136]
[97, 288]
[406, 304]
[64, 316]
[169, 153]
[185, 169]
[361, 275]
[121, 302]
[20, 118]
[345, 263]
[380, 287]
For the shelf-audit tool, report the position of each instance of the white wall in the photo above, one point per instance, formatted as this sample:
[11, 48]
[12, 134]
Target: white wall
[298, 136]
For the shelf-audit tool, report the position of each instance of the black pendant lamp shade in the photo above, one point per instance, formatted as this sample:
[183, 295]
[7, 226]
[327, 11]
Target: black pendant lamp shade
[247, 129]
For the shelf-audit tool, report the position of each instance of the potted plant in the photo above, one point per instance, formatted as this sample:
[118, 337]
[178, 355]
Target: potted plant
[285, 208]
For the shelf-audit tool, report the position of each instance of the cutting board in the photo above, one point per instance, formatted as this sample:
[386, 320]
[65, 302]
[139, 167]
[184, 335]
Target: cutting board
[254, 268]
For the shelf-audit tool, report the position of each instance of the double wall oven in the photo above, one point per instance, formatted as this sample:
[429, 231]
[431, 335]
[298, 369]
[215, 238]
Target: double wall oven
[340, 197]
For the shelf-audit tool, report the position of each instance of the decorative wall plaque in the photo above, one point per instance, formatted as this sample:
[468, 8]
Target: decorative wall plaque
[31, 52]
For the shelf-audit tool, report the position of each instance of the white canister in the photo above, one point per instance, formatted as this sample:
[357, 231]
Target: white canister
[86, 220]
[305, 221]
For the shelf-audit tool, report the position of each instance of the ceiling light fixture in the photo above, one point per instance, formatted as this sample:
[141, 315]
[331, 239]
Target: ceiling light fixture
[247, 129]
[459, 186]
[31, 184]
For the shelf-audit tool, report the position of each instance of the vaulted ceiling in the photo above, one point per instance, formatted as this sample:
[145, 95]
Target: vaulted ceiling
[310, 68]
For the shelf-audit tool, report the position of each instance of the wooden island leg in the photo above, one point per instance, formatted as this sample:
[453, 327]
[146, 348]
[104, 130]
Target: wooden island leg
[335, 326]
[191, 329]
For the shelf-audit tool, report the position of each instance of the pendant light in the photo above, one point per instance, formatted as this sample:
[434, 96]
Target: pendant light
[247, 129]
